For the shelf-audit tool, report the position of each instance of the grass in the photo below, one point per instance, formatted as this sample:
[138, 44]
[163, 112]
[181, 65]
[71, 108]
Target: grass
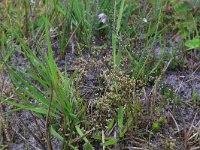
[36, 36]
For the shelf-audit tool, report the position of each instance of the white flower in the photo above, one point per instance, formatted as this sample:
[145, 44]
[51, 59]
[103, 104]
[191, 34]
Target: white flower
[51, 29]
[33, 1]
[145, 20]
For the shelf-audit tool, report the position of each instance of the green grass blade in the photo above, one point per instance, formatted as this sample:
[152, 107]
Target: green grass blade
[120, 120]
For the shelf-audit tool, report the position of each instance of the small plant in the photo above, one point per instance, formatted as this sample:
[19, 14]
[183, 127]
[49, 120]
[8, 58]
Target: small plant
[195, 98]
[117, 107]
[132, 43]
[156, 125]
[194, 43]
[55, 102]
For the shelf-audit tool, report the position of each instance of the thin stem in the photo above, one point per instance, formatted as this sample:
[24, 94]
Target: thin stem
[49, 146]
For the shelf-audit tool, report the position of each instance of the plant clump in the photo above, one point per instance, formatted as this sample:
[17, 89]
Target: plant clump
[122, 91]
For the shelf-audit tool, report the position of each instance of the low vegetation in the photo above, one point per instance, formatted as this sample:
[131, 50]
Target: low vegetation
[77, 74]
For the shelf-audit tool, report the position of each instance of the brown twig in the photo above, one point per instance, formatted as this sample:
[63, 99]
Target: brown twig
[82, 136]
[23, 138]
[187, 136]
[5, 128]
[37, 125]
[174, 121]
[35, 137]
